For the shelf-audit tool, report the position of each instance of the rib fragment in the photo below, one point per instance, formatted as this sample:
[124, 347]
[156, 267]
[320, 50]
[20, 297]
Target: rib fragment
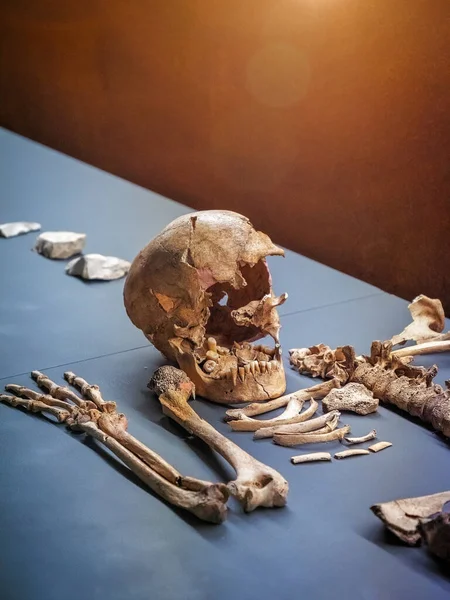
[313, 457]
[350, 453]
[379, 446]
[296, 439]
[329, 421]
[364, 438]
[250, 424]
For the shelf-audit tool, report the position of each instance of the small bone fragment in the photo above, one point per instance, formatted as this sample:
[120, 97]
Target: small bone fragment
[302, 427]
[353, 452]
[60, 244]
[404, 516]
[360, 440]
[256, 484]
[250, 424]
[294, 439]
[8, 230]
[427, 324]
[259, 408]
[353, 397]
[97, 266]
[379, 446]
[313, 457]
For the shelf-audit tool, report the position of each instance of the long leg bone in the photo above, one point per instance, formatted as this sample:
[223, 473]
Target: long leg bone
[329, 419]
[100, 420]
[315, 392]
[256, 484]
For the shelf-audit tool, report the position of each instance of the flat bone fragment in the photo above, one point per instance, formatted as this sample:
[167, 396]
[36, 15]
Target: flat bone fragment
[313, 457]
[427, 324]
[256, 484]
[98, 418]
[97, 266]
[315, 392]
[60, 244]
[403, 517]
[293, 416]
[364, 438]
[8, 230]
[294, 439]
[330, 420]
[380, 446]
[353, 397]
[349, 453]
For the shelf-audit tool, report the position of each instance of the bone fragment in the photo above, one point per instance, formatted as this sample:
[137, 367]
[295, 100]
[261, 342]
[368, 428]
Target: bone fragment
[97, 266]
[101, 421]
[349, 453]
[256, 484]
[60, 244]
[8, 230]
[435, 533]
[294, 439]
[316, 392]
[293, 416]
[379, 446]
[353, 397]
[313, 457]
[427, 324]
[328, 420]
[425, 348]
[404, 516]
[360, 440]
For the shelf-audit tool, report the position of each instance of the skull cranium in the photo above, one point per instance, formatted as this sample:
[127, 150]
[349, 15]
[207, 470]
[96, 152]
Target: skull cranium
[201, 292]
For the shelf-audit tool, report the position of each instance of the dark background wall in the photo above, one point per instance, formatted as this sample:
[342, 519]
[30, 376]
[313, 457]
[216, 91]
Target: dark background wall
[327, 122]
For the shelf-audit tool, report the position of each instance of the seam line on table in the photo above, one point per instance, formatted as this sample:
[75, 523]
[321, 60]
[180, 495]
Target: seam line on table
[75, 362]
[295, 312]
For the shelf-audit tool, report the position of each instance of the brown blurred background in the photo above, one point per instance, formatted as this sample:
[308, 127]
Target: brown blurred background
[327, 122]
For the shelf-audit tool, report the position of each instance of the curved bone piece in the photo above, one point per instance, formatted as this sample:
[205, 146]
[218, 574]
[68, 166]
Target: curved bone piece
[330, 420]
[294, 439]
[315, 392]
[364, 438]
[313, 457]
[292, 414]
[256, 484]
[349, 453]
[380, 446]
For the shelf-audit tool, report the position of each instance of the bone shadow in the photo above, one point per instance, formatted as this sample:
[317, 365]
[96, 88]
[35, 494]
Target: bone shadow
[416, 557]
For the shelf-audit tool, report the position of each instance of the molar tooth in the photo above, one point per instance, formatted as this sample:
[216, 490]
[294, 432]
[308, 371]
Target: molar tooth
[269, 367]
[263, 366]
[256, 366]
[275, 365]
[247, 369]
[253, 366]
[233, 371]
[211, 355]
[212, 344]
[268, 351]
[242, 374]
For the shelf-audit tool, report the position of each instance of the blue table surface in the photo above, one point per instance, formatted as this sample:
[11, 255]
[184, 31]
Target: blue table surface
[75, 523]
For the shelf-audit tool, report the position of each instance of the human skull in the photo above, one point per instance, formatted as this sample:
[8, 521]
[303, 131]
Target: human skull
[201, 292]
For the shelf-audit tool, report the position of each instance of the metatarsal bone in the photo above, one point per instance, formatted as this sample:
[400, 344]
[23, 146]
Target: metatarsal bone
[249, 424]
[316, 392]
[294, 439]
[302, 427]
